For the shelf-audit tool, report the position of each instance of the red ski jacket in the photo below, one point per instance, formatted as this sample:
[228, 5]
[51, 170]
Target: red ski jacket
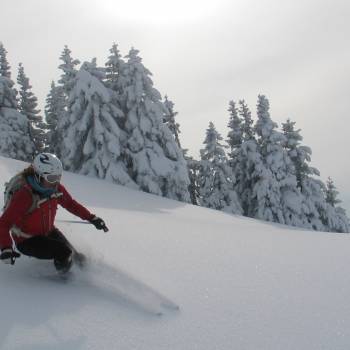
[40, 221]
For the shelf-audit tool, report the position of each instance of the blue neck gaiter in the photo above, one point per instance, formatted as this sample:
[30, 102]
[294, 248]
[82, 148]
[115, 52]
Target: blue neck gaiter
[43, 192]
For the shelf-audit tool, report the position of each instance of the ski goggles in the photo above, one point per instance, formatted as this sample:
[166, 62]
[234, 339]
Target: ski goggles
[52, 178]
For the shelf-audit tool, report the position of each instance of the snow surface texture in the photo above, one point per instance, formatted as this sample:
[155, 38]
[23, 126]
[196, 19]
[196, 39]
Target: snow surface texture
[240, 283]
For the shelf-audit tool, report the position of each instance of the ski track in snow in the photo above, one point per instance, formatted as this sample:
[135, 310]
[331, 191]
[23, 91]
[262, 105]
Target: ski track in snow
[111, 283]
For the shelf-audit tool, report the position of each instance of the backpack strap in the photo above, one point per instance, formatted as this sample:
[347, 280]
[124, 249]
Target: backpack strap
[37, 201]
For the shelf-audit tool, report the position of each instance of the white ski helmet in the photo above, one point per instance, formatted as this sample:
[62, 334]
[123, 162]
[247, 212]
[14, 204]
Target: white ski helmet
[48, 166]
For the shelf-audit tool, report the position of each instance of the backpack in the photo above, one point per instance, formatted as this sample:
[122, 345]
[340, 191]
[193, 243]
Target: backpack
[12, 186]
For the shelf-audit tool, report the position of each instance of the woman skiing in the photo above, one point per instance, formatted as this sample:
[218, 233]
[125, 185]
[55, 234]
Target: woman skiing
[30, 214]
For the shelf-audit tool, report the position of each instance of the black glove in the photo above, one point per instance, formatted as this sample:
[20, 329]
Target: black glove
[9, 256]
[99, 223]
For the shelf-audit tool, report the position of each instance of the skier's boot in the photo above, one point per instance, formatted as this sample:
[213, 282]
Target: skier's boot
[63, 266]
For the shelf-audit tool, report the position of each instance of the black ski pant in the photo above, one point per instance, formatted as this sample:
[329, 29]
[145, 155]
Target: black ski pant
[53, 246]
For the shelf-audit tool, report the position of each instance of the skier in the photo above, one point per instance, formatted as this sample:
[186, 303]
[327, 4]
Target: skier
[30, 214]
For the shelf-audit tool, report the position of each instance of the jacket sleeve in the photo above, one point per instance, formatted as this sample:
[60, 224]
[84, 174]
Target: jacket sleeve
[19, 206]
[67, 202]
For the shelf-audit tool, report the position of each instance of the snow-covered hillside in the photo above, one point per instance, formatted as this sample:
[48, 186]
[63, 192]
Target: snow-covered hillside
[239, 283]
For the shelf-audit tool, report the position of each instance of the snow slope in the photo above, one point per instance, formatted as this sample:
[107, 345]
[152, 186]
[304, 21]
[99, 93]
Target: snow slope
[240, 283]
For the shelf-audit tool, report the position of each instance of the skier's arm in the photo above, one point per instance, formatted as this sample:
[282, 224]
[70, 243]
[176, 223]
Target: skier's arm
[19, 206]
[67, 202]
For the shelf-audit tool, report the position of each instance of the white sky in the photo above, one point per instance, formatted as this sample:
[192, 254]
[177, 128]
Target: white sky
[204, 53]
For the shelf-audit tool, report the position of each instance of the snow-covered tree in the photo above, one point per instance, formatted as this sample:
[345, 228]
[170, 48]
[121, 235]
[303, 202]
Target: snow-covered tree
[14, 127]
[270, 139]
[299, 154]
[331, 193]
[193, 170]
[69, 70]
[4, 65]
[154, 160]
[240, 157]
[313, 204]
[28, 104]
[93, 143]
[341, 222]
[216, 179]
[256, 186]
[235, 125]
[252, 182]
[312, 189]
[246, 116]
[234, 141]
[55, 106]
[65, 85]
[287, 199]
[267, 188]
[8, 95]
[336, 218]
[114, 66]
[170, 121]
[322, 215]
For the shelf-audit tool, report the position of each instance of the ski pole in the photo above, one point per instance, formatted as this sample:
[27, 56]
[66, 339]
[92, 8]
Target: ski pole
[74, 222]
[105, 228]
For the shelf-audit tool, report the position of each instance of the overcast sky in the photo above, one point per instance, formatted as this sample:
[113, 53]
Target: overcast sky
[203, 54]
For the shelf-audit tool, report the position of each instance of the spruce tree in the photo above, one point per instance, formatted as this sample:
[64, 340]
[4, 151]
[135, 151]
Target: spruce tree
[241, 161]
[286, 199]
[216, 178]
[235, 125]
[336, 218]
[314, 204]
[4, 65]
[246, 116]
[234, 141]
[331, 193]
[319, 200]
[28, 104]
[193, 166]
[244, 154]
[68, 66]
[268, 188]
[55, 105]
[342, 223]
[114, 66]
[14, 127]
[93, 143]
[269, 138]
[154, 160]
[65, 84]
[170, 121]
[312, 189]
[254, 187]
[299, 154]
[255, 184]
